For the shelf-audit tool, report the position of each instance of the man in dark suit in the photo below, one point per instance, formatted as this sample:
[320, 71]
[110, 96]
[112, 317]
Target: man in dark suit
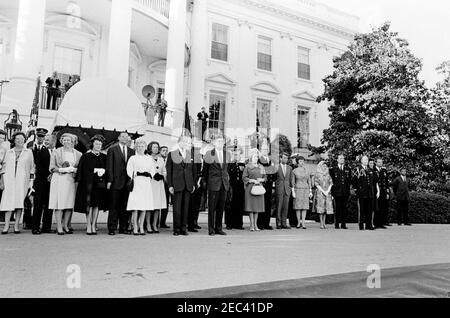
[196, 197]
[400, 187]
[36, 145]
[283, 190]
[164, 153]
[381, 214]
[342, 179]
[234, 208]
[181, 173]
[269, 171]
[364, 181]
[215, 174]
[116, 169]
[203, 118]
[41, 187]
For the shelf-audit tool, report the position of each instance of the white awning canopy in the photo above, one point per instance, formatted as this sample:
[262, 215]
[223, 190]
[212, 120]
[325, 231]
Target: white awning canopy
[101, 103]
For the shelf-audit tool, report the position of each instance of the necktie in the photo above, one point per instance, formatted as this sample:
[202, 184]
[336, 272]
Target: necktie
[124, 151]
[284, 169]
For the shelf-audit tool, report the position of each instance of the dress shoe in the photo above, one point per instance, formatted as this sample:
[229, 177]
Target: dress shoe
[388, 224]
[221, 233]
[60, 233]
[344, 227]
[5, 232]
[269, 228]
[192, 230]
[142, 234]
[16, 232]
[176, 234]
[337, 227]
[382, 227]
[240, 228]
[408, 224]
[164, 226]
[279, 227]
[229, 228]
[184, 233]
[370, 228]
[285, 227]
[69, 231]
[198, 227]
[136, 234]
[112, 233]
[36, 232]
[211, 234]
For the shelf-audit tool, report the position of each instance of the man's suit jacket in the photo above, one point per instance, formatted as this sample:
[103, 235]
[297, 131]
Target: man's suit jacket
[283, 182]
[116, 167]
[181, 173]
[42, 161]
[401, 188]
[215, 174]
[341, 181]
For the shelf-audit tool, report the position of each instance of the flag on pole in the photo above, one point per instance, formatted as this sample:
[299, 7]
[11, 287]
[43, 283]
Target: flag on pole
[187, 119]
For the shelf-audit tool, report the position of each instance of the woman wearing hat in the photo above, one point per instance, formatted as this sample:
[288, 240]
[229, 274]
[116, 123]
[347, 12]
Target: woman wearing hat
[18, 174]
[324, 200]
[63, 166]
[91, 180]
[301, 192]
[253, 176]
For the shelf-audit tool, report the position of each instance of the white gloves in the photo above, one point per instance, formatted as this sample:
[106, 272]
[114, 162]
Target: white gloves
[100, 172]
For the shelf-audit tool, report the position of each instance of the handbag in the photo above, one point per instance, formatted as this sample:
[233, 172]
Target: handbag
[130, 185]
[257, 190]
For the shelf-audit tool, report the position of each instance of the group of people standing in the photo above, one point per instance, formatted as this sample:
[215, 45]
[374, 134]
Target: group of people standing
[135, 186]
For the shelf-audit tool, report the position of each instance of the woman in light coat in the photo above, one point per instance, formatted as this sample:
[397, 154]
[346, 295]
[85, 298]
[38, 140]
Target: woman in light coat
[140, 201]
[18, 175]
[63, 166]
[158, 173]
[324, 200]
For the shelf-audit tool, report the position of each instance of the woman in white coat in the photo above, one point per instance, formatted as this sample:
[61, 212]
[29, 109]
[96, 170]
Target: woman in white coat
[18, 175]
[63, 166]
[158, 189]
[139, 168]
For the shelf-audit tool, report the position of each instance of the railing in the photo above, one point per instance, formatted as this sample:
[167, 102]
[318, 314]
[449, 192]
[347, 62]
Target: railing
[152, 113]
[51, 98]
[161, 6]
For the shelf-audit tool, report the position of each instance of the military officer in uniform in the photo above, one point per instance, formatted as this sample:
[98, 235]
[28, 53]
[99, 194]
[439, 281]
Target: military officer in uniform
[364, 181]
[342, 179]
[381, 214]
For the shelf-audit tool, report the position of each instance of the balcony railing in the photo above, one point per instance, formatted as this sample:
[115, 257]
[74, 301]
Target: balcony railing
[152, 113]
[161, 6]
[51, 98]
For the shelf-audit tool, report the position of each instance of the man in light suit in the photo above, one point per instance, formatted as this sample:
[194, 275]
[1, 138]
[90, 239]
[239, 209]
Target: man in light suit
[215, 174]
[116, 169]
[283, 189]
[400, 187]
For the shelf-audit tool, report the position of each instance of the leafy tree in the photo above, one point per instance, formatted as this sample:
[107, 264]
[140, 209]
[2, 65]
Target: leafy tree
[377, 105]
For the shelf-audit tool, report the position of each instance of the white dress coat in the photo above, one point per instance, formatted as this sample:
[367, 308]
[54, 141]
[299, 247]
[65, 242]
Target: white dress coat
[159, 191]
[16, 179]
[141, 198]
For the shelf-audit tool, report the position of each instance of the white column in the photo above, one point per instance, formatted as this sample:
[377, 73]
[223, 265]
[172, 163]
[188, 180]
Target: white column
[119, 41]
[174, 85]
[199, 53]
[28, 51]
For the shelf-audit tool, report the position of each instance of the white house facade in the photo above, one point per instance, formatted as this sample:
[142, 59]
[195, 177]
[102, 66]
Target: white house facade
[254, 64]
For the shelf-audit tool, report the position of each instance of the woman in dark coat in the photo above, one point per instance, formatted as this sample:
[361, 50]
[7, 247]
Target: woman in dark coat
[91, 179]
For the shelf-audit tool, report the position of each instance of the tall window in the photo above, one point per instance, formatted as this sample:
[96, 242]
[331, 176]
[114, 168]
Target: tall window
[263, 116]
[264, 53]
[67, 62]
[217, 103]
[219, 43]
[302, 128]
[303, 67]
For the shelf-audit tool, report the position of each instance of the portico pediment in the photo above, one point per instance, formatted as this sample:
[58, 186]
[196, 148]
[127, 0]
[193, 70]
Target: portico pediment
[266, 87]
[305, 95]
[221, 78]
